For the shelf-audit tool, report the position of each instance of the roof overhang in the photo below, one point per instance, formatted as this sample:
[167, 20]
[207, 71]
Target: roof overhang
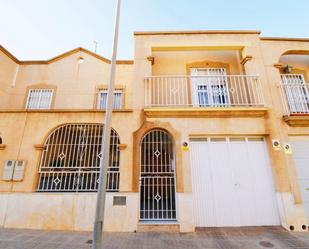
[62, 56]
[199, 32]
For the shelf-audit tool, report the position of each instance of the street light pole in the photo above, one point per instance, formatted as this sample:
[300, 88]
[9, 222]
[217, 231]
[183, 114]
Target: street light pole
[105, 144]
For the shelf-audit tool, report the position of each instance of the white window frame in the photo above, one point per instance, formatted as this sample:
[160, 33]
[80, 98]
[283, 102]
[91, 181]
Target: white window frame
[118, 101]
[296, 92]
[40, 103]
[206, 85]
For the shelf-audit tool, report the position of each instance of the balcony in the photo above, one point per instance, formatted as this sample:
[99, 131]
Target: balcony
[207, 95]
[295, 99]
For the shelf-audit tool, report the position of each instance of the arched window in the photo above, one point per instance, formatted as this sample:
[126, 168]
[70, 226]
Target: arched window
[71, 160]
[0, 140]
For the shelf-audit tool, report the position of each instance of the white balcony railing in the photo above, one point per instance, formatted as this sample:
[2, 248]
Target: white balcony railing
[203, 91]
[295, 94]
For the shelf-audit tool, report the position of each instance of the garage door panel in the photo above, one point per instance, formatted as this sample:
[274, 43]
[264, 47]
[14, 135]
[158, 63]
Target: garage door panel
[242, 178]
[306, 206]
[304, 186]
[300, 155]
[302, 168]
[300, 149]
[242, 189]
[204, 211]
[224, 194]
[264, 192]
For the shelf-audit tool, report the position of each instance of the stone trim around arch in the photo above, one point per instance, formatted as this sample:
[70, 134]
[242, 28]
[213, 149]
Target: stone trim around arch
[2, 146]
[296, 52]
[207, 64]
[296, 69]
[137, 138]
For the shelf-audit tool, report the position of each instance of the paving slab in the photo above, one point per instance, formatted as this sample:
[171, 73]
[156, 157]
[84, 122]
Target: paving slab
[210, 238]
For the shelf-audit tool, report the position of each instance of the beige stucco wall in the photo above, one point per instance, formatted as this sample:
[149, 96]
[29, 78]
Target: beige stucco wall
[75, 89]
[7, 75]
[21, 131]
[67, 211]
[75, 83]
[175, 62]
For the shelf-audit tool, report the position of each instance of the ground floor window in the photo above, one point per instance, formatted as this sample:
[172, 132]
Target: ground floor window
[71, 158]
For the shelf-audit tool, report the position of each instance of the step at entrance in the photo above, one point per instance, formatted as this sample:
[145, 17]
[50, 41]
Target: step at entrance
[172, 227]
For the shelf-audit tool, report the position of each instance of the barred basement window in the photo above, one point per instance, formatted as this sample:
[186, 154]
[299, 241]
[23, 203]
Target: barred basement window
[71, 160]
[102, 98]
[39, 99]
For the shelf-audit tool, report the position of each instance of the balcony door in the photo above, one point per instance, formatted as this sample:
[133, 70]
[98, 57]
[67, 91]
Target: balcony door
[296, 92]
[209, 87]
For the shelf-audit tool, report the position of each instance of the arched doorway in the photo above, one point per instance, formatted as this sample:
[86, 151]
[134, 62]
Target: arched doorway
[71, 159]
[157, 179]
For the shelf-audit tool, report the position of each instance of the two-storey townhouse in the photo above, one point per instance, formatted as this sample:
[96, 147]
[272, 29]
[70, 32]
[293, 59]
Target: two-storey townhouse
[210, 129]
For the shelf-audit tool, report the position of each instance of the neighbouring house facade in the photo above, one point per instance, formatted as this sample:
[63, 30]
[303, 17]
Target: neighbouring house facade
[209, 129]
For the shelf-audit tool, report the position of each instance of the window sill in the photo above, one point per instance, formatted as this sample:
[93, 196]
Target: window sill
[2, 146]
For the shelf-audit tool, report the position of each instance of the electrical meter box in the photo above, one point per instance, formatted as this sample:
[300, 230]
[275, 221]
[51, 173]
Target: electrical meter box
[8, 170]
[19, 170]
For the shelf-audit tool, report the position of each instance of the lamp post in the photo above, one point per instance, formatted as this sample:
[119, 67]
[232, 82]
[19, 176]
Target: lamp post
[105, 144]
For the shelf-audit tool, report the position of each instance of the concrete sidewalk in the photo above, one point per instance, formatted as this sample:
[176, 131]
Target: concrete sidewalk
[228, 238]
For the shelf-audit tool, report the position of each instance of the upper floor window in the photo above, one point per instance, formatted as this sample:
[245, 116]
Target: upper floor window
[39, 99]
[0, 140]
[292, 79]
[102, 99]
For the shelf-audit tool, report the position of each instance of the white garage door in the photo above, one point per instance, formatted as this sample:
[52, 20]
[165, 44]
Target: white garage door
[301, 158]
[232, 183]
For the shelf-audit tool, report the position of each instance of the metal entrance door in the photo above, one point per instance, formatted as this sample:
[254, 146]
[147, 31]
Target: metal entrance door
[157, 182]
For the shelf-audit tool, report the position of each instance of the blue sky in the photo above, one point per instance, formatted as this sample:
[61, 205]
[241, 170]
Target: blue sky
[41, 29]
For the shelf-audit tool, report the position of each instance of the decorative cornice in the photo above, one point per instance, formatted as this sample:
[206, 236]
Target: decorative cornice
[284, 39]
[198, 32]
[293, 52]
[299, 120]
[8, 54]
[122, 146]
[151, 59]
[39, 147]
[278, 65]
[62, 111]
[200, 112]
[64, 55]
[246, 59]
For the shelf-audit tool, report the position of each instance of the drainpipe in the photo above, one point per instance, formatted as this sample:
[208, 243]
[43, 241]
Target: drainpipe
[15, 76]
